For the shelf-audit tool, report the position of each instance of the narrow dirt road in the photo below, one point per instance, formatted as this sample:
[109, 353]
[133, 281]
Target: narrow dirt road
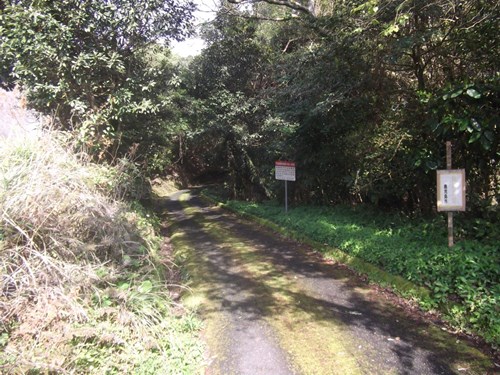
[271, 306]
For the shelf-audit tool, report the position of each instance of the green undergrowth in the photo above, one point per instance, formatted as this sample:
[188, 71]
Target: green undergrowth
[463, 282]
[85, 282]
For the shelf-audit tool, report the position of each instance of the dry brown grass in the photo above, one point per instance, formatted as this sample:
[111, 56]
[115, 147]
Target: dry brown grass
[57, 229]
[54, 220]
[82, 288]
[65, 244]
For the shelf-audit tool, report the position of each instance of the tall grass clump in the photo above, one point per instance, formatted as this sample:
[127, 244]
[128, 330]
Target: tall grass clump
[83, 282]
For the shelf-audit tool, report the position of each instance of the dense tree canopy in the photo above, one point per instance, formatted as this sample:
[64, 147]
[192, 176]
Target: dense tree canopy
[361, 94]
[94, 64]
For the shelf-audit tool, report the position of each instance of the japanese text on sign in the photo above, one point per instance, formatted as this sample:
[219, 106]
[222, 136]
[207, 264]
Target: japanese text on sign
[285, 170]
[451, 190]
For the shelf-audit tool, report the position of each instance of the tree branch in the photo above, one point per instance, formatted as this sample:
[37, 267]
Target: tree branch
[287, 3]
[234, 13]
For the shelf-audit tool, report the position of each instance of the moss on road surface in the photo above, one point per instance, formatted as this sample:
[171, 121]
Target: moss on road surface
[270, 305]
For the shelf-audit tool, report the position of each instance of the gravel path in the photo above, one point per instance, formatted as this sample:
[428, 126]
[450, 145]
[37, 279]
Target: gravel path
[272, 306]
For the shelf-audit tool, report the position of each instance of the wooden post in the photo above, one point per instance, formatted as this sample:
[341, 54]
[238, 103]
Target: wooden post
[450, 213]
[286, 196]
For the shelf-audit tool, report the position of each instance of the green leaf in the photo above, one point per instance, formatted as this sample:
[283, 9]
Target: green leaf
[456, 93]
[463, 123]
[123, 286]
[473, 93]
[475, 136]
[4, 339]
[391, 29]
[146, 287]
[485, 142]
[489, 135]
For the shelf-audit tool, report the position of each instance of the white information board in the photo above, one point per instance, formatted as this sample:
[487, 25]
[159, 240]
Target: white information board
[284, 170]
[451, 190]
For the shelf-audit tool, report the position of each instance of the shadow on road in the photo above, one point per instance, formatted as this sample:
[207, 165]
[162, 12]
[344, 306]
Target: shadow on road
[278, 277]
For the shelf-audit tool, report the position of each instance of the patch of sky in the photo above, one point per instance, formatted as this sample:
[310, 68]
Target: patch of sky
[205, 12]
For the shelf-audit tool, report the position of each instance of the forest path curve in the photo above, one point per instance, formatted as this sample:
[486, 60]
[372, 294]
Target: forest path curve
[272, 306]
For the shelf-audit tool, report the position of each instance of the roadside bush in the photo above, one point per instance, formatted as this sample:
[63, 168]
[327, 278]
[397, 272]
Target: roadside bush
[122, 180]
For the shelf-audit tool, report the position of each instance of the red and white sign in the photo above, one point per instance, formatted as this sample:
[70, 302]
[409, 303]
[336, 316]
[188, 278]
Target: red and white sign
[285, 170]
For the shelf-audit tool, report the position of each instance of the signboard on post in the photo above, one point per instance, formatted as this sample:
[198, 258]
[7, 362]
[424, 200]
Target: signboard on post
[285, 170]
[451, 190]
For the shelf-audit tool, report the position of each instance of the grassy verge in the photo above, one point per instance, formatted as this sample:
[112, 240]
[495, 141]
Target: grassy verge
[462, 282]
[84, 275]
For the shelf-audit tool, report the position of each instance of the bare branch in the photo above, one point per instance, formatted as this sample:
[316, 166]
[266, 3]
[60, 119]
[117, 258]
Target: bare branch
[287, 3]
[288, 44]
